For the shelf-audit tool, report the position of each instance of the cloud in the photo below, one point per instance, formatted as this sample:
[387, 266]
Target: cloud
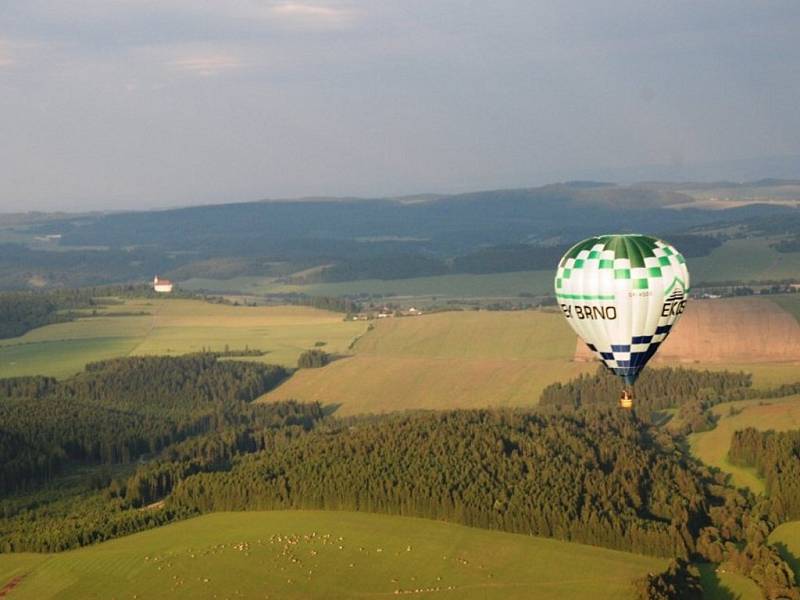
[312, 15]
[206, 64]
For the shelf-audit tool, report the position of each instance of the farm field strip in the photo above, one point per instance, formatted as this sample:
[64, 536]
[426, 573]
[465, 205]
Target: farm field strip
[175, 327]
[444, 361]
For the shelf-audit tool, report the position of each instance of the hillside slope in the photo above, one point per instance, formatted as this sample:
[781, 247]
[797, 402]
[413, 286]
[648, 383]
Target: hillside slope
[444, 361]
[302, 554]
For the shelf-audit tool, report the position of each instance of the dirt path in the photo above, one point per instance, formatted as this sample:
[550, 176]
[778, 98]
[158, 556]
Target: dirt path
[150, 328]
[10, 585]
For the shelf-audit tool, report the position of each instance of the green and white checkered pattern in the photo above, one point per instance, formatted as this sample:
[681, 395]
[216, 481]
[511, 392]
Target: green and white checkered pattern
[622, 294]
[638, 264]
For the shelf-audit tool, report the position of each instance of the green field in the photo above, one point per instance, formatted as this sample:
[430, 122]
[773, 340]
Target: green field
[493, 285]
[515, 335]
[445, 361]
[745, 260]
[712, 446]
[786, 538]
[307, 554]
[175, 327]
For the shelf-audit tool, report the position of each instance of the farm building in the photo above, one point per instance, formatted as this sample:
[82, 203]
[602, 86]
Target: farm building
[162, 285]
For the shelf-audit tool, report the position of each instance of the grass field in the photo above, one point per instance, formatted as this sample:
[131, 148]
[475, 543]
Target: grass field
[444, 361]
[443, 286]
[786, 538]
[326, 554]
[712, 446]
[175, 327]
[744, 260]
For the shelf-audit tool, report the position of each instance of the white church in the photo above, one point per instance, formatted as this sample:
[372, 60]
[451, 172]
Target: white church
[162, 285]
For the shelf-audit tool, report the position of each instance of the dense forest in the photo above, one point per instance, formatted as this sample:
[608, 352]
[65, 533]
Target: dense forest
[692, 392]
[776, 457]
[656, 389]
[134, 443]
[22, 312]
[598, 477]
[121, 409]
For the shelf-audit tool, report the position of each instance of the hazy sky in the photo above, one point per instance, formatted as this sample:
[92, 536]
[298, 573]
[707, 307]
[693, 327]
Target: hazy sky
[143, 103]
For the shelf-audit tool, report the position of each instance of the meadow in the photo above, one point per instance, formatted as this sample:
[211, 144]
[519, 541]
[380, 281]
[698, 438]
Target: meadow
[493, 285]
[744, 260]
[301, 554]
[173, 327]
[445, 360]
[712, 446]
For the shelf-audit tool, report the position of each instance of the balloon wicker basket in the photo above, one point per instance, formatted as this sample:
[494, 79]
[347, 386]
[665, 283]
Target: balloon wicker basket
[626, 399]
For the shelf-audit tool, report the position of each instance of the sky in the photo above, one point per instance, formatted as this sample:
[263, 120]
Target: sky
[135, 104]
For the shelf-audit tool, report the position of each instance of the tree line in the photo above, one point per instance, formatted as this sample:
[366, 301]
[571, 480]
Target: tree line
[776, 458]
[118, 410]
[656, 389]
[22, 311]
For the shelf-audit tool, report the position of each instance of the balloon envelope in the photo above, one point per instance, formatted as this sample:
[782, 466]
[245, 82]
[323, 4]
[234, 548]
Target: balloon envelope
[622, 294]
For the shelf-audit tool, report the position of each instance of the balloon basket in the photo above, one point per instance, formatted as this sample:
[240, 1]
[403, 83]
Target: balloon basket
[626, 400]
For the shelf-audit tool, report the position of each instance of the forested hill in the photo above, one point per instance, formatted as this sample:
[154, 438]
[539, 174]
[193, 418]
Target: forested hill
[590, 474]
[445, 225]
[384, 238]
[121, 409]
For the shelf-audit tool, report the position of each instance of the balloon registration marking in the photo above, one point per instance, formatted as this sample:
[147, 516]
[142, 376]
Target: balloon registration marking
[622, 294]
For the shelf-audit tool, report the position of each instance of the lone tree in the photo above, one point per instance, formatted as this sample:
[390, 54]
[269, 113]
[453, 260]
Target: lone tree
[313, 359]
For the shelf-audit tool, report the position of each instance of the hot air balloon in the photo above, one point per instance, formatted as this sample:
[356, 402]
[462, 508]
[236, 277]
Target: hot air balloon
[622, 294]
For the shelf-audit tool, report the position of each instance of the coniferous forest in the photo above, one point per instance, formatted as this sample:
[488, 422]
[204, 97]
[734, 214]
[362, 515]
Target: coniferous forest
[135, 443]
[776, 457]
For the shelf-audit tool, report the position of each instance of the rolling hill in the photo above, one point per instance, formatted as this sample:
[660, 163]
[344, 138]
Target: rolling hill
[301, 554]
[444, 360]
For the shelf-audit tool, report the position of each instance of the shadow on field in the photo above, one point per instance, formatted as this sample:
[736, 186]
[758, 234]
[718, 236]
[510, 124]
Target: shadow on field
[329, 409]
[789, 557]
[713, 588]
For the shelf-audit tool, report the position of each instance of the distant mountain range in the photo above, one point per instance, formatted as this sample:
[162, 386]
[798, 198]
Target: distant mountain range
[376, 237]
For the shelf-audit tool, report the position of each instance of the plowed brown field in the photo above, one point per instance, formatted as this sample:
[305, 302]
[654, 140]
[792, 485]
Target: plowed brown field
[731, 330]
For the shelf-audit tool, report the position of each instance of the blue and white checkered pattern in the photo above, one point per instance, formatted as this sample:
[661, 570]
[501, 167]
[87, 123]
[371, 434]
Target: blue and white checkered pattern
[628, 359]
